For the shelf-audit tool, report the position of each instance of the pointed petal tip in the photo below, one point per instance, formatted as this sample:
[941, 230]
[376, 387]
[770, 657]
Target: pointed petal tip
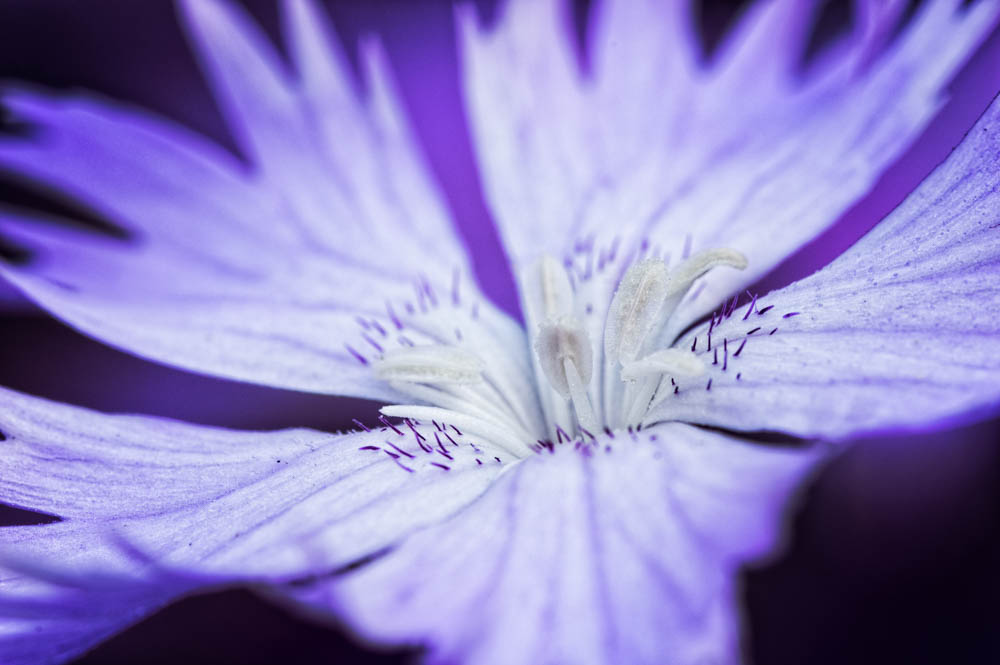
[209, 21]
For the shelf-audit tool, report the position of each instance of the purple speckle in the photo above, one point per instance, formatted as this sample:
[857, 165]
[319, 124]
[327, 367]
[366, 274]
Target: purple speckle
[392, 316]
[399, 450]
[420, 437]
[385, 421]
[750, 308]
[375, 345]
[357, 356]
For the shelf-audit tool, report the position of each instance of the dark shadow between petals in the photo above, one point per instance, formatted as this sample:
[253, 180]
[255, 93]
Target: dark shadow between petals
[15, 516]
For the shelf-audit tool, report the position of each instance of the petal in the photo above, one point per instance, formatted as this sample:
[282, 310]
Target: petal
[261, 273]
[692, 156]
[900, 331]
[617, 555]
[50, 618]
[154, 505]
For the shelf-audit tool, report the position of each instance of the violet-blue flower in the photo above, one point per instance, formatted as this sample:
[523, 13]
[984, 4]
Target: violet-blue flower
[579, 488]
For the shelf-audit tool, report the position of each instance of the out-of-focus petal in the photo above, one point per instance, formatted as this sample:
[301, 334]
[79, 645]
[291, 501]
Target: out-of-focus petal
[142, 498]
[656, 147]
[619, 555]
[48, 616]
[13, 301]
[284, 272]
[900, 331]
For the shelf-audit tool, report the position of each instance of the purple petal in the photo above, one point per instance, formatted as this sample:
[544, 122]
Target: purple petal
[51, 617]
[620, 556]
[902, 330]
[260, 274]
[143, 497]
[738, 153]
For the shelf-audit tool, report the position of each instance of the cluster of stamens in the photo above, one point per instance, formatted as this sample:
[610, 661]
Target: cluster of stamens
[597, 360]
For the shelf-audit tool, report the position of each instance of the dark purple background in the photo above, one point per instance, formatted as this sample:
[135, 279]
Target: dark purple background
[894, 549]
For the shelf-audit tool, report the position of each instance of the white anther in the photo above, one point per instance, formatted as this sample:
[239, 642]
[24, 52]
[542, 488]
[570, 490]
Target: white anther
[675, 362]
[683, 276]
[559, 342]
[687, 272]
[430, 364]
[635, 309]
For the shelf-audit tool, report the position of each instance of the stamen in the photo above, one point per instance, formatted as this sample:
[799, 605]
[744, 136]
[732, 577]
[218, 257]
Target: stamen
[566, 358]
[635, 309]
[561, 342]
[667, 361]
[578, 394]
[430, 364]
[684, 275]
[488, 432]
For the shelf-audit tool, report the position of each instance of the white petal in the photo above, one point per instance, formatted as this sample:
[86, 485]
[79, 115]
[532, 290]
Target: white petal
[695, 156]
[142, 497]
[900, 331]
[261, 274]
[624, 556]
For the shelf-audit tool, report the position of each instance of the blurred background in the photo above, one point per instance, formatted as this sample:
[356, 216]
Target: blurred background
[893, 550]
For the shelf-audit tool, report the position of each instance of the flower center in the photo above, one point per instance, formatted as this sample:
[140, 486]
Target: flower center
[598, 361]
[613, 385]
